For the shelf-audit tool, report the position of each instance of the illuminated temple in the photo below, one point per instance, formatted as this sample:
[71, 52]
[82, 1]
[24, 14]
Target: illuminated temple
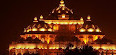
[50, 35]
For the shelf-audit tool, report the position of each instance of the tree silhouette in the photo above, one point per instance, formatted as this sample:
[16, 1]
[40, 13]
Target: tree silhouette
[88, 50]
[85, 50]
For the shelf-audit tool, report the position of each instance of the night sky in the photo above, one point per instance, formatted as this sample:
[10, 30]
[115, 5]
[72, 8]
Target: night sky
[18, 14]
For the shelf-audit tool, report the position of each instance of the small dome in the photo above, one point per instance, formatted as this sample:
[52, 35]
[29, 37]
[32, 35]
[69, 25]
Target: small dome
[89, 26]
[38, 26]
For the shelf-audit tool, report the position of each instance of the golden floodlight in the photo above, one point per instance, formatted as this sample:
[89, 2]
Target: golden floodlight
[35, 19]
[82, 30]
[66, 11]
[81, 19]
[63, 8]
[61, 4]
[63, 15]
[59, 11]
[28, 30]
[50, 29]
[61, 1]
[88, 17]
[42, 29]
[34, 29]
[90, 30]
[98, 30]
[41, 17]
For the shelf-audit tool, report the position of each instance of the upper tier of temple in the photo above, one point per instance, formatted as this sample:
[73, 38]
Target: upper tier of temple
[89, 26]
[63, 27]
[38, 26]
[61, 12]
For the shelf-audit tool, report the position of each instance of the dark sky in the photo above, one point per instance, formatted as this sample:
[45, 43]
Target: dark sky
[15, 15]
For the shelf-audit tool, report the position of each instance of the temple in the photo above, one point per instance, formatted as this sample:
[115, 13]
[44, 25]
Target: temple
[49, 36]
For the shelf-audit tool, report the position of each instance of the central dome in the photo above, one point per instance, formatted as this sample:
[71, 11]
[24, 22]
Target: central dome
[61, 10]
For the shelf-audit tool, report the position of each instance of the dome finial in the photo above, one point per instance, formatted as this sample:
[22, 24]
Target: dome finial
[62, 3]
[88, 18]
[81, 18]
[35, 19]
[41, 18]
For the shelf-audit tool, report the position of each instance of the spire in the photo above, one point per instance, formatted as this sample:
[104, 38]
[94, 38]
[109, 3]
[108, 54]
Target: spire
[35, 19]
[88, 18]
[41, 18]
[81, 18]
[62, 3]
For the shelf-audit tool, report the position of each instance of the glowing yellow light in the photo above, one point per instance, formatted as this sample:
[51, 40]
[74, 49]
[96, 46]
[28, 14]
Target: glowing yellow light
[34, 29]
[66, 11]
[11, 47]
[63, 15]
[81, 19]
[50, 29]
[57, 22]
[28, 30]
[43, 40]
[61, 23]
[82, 30]
[35, 19]
[95, 37]
[98, 30]
[65, 23]
[25, 30]
[70, 23]
[48, 39]
[61, 4]
[85, 41]
[80, 22]
[75, 23]
[90, 30]
[42, 29]
[22, 46]
[41, 17]
[63, 8]
[49, 22]
[61, 1]
[88, 17]
[53, 47]
[45, 48]
[50, 48]
[55, 27]
[59, 11]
